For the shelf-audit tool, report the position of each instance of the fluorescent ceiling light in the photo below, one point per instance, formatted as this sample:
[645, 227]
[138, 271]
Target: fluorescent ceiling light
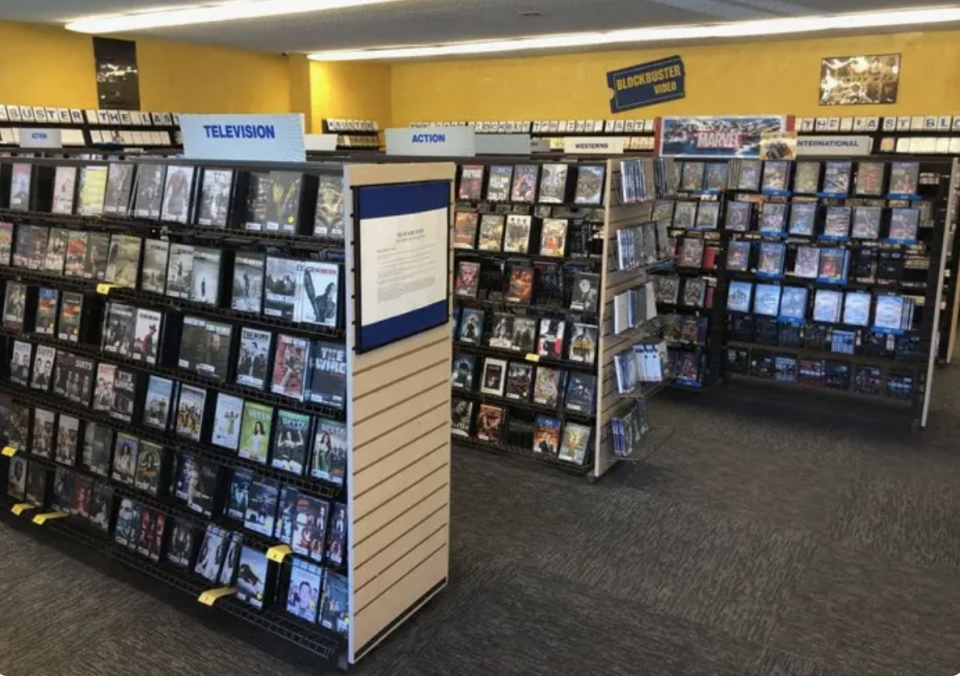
[739, 29]
[208, 13]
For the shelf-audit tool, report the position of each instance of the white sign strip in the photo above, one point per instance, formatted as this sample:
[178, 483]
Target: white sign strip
[834, 145]
[262, 138]
[40, 138]
[432, 142]
[593, 145]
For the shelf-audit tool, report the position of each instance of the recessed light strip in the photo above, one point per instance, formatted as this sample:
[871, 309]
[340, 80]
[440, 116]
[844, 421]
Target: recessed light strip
[209, 13]
[739, 29]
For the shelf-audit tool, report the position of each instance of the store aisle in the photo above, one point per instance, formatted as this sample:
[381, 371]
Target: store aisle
[755, 540]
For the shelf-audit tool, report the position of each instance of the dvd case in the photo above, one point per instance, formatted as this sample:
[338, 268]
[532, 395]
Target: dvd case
[329, 219]
[41, 443]
[471, 182]
[154, 273]
[499, 183]
[248, 282]
[92, 190]
[177, 194]
[590, 184]
[205, 286]
[148, 197]
[291, 436]
[180, 271]
[465, 230]
[525, 179]
[123, 260]
[319, 300]
[491, 232]
[119, 188]
[64, 190]
[328, 374]
[329, 461]
[281, 288]
[216, 190]
[157, 402]
[255, 432]
[290, 367]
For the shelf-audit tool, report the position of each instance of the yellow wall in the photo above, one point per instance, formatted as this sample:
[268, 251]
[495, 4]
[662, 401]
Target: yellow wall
[352, 91]
[50, 66]
[46, 67]
[188, 78]
[759, 77]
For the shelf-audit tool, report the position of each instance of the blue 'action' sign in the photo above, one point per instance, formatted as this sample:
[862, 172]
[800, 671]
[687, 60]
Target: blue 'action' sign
[646, 84]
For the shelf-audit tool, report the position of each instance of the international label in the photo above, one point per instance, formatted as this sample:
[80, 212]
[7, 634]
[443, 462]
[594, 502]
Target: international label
[834, 145]
[646, 84]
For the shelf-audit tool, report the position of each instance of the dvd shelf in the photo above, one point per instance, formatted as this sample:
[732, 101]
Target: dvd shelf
[550, 286]
[353, 134]
[828, 274]
[183, 396]
[92, 127]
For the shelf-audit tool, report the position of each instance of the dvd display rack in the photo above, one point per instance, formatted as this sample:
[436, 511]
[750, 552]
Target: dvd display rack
[686, 291]
[548, 292]
[830, 272]
[184, 393]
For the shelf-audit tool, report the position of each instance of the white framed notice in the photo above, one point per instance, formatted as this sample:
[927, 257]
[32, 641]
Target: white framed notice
[402, 245]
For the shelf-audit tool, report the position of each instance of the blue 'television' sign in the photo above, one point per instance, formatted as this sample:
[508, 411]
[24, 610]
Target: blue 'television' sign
[646, 84]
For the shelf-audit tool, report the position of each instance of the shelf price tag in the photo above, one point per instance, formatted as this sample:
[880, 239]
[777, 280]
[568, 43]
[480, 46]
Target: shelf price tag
[9, 451]
[209, 597]
[104, 288]
[41, 519]
[20, 508]
[278, 553]
[535, 358]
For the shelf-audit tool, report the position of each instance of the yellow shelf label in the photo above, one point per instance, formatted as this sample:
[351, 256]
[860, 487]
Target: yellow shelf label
[41, 519]
[104, 288]
[20, 508]
[535, 358]
[209, 597]
[278, 553]
[9, 451]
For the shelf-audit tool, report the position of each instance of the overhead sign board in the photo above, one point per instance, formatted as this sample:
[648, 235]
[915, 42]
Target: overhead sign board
[263, 138]
[432, 141]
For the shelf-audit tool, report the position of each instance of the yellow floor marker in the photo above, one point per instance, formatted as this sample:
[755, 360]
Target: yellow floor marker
[278, 553]
[20, 508]
[41, 519]
[209, 597]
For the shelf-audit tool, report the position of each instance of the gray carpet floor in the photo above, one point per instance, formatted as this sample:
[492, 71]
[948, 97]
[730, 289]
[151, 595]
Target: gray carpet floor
[753, 539]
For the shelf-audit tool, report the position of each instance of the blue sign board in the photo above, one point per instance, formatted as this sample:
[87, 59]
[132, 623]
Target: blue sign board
[265, 138]
[403, 251]
[646, 84]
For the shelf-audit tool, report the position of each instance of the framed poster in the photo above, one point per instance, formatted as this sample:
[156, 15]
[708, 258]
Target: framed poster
[402, 251]
[859, 80]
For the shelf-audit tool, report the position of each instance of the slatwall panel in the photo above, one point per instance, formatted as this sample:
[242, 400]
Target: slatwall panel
[400, 461]
[608, 345]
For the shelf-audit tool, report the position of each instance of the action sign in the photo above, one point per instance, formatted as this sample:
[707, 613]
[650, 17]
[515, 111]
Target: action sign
[646, 84]
[40, 138]
[264, 138]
